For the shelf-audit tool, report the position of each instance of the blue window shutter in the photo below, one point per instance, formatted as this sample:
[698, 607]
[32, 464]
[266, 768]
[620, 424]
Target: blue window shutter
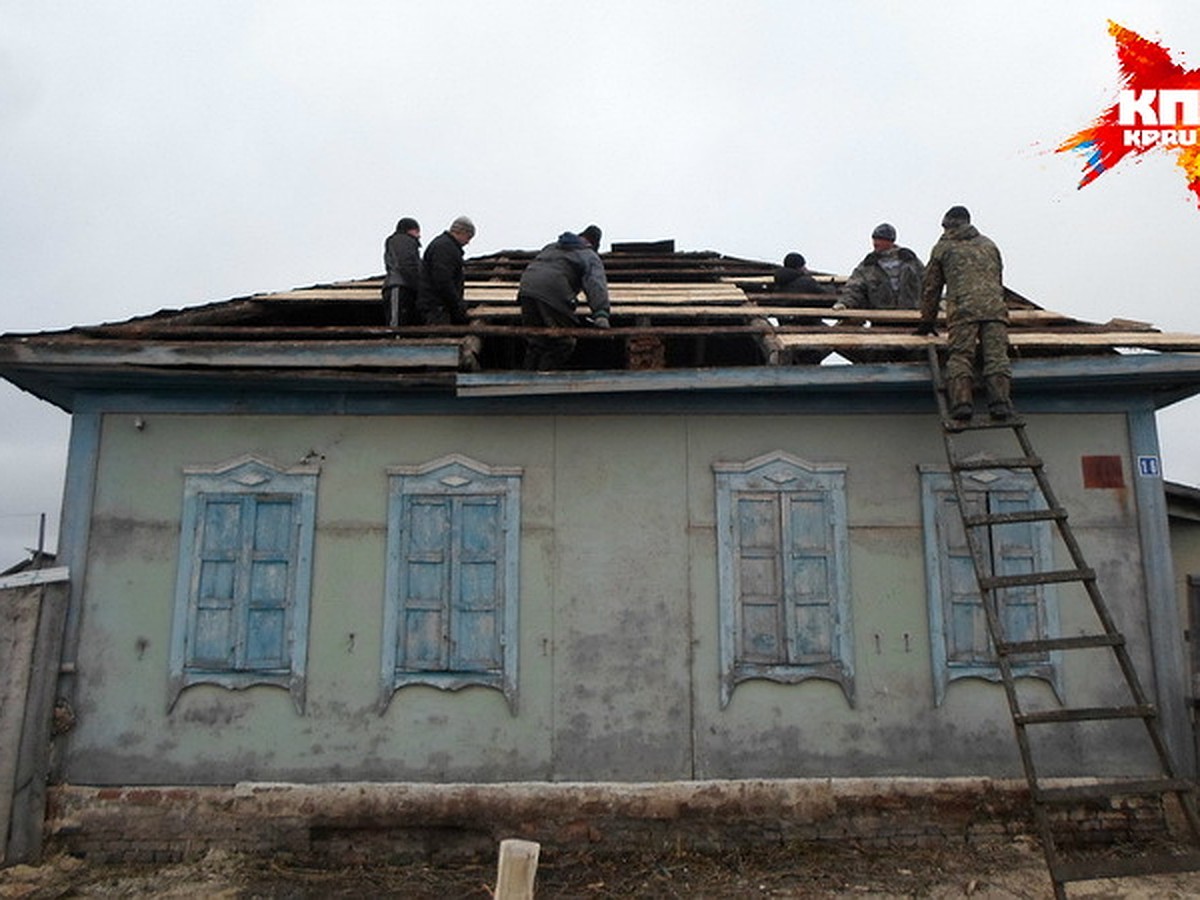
[809, 574]
[1014, 552]
[478, 588]
[967, 626]
[269, 553]
[213, 606]
[759, 579]
[426, 588]
[241, 602]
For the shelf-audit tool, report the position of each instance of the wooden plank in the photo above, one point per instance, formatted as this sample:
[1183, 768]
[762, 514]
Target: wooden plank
[19, 611]
[1031, 340]
[906, 316]
[33, 758]
[626, 293]
[517, 869]
[626, 309]
[620, 307]
[224, 354]
[325, 293]
[35, 576]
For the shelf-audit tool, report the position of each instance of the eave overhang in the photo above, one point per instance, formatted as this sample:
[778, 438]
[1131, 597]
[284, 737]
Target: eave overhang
[59, 372]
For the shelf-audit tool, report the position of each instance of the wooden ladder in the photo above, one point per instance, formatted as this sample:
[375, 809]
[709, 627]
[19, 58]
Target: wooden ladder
[1046, 801]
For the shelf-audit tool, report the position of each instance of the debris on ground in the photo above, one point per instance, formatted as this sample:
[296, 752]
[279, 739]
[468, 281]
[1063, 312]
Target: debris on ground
[996, 872]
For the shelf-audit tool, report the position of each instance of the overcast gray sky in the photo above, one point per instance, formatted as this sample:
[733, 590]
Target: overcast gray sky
[157, 155]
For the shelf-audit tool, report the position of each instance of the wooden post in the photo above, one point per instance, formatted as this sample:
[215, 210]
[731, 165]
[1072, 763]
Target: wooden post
[517, 870]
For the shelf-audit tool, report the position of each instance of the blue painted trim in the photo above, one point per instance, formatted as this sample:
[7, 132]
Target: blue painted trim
[79, 497]
[1167, 651]
[1165, 378]
[1177, 368]
[861, 399]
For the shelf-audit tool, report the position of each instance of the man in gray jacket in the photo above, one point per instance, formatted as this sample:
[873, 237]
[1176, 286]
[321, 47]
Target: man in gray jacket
[548, 290]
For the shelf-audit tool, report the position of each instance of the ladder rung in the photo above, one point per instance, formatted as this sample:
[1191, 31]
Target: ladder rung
[1106, 789]
[1012, 462]
[1079, 642]
[1025, 515]
[1085, 714]
[1123, 867]
[1054, 577]
[980, 422]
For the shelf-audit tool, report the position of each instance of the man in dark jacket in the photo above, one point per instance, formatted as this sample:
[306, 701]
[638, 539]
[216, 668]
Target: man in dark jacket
[548, 290]
[402, 263]
[889, 277]
[794, 277]
[440, 299]
[969, 266]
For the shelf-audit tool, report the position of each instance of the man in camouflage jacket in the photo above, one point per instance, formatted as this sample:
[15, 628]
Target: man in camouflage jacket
[889, 277]
[968, 265]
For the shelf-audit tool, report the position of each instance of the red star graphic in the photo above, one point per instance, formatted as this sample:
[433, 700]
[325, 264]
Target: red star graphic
[1144, 66]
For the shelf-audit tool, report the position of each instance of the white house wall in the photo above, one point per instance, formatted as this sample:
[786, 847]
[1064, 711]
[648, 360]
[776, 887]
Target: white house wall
[618, 665]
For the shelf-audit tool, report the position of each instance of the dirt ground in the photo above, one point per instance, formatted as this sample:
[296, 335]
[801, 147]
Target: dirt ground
[1014, 870]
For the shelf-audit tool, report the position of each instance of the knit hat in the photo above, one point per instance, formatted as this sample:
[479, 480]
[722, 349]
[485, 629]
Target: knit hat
[956, 215]
[463, 224]
[408, 224]
[884, 232]
[591, 234]
[793, 261]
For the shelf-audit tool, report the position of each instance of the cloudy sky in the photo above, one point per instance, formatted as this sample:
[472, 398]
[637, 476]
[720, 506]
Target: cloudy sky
[156, 155]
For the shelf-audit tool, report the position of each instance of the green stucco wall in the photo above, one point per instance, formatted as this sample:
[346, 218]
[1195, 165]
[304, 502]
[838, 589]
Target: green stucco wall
[618, 676]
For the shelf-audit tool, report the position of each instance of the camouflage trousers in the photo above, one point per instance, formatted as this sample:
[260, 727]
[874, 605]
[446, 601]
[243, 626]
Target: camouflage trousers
[989, 339]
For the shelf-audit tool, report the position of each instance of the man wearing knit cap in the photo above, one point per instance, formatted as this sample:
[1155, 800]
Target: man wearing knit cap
[793, 277]
[591, 234]
[548, 290]
[402, 263]
[889, 277]
[440, 299]
[968, 265]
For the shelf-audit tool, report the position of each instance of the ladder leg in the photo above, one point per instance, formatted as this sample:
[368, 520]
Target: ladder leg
[980, 542]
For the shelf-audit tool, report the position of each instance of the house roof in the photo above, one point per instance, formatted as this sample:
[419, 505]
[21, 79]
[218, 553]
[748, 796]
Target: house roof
[1183, 501]
[676, 316]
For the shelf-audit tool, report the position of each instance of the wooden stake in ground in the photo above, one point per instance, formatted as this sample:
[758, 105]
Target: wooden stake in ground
[517, 870]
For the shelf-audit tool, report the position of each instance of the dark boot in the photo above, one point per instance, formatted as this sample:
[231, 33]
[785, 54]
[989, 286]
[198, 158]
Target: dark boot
[960, 396]
[999, 403]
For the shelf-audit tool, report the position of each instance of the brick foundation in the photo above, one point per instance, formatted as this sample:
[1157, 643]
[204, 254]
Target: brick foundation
[353, 822]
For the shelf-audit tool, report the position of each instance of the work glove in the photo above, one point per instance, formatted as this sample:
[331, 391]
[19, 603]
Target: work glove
[600, 320]
[838, 304]
[926, 329]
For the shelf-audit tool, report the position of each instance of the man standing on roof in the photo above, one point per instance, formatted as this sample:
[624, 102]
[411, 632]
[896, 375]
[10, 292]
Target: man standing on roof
[968, 265]
[889, 277]
[548, 290]
[402, 263]
[440, 299]
[793, 276]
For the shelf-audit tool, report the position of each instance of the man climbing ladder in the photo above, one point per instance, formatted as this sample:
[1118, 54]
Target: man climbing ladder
[968, 265]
